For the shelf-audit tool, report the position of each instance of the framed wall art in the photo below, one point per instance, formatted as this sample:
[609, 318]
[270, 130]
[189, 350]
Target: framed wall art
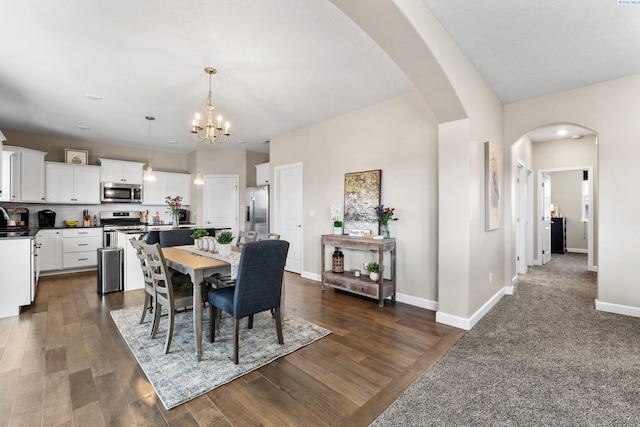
[361, 196]
[77, 157]
[493, 179]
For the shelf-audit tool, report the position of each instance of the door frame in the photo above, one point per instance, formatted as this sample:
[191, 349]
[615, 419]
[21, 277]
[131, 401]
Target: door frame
[590, 233]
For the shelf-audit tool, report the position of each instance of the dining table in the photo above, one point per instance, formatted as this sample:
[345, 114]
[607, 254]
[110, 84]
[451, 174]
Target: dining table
[199, 264]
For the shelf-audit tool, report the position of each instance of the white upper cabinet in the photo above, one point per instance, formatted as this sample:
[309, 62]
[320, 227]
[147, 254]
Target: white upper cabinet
[262, 174]
[120, 171]
[27, 175]
[67, 183]
[167, 184]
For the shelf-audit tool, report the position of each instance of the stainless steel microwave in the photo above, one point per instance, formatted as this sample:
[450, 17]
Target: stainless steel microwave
[120, 193]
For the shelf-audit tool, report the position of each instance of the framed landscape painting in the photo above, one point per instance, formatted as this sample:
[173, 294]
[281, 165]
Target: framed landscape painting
[361, 196]
[493, 178]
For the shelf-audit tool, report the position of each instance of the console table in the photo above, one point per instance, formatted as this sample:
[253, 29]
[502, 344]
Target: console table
[382, 288]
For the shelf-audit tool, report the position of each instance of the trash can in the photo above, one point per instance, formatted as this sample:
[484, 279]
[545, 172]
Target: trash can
[110, 269]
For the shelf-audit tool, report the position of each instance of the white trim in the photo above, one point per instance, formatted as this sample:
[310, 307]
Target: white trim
[311, 276]
[467, 324]
[578, 250]
[594, 268]
[417, 302]
[514, 280]
[625, 310]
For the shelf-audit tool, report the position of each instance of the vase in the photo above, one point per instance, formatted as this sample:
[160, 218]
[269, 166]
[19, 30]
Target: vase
[224, 248]
[198, 243]
[337, 230]
[374, 276]
[384, 231]
[176, 221]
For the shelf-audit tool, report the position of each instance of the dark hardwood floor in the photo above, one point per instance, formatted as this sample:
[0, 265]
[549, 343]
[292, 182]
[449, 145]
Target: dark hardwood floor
[63, 363]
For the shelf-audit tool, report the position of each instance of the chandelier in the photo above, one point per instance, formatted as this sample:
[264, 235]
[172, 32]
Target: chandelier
[213, 130]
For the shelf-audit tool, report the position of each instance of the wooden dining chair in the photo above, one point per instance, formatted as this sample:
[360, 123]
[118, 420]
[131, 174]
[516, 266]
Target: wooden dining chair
[258, 288]
[149, 292]
[245, 237]
[166, 295]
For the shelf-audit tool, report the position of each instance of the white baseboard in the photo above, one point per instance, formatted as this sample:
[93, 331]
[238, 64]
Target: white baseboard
[311, 276]
[578, 250]
[618, 309]
[417, 302]
[467, 324]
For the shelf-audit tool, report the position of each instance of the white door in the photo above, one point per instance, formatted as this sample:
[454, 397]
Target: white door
[546, 218]
[221, 202]
[288, 212]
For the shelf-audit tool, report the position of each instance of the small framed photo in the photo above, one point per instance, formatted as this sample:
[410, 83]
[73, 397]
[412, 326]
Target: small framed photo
[77, 157]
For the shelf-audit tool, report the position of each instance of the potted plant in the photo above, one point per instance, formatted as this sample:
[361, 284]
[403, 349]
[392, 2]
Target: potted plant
[374, 270]
[337, 226]
[197, 237]
[224, 240]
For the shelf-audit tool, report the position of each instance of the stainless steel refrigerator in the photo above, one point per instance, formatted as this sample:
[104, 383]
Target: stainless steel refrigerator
[256, 206]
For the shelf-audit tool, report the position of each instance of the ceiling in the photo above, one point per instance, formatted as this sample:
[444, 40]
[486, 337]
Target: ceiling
[281, 64]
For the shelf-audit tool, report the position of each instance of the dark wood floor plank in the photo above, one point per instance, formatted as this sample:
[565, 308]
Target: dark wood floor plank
[63, 362]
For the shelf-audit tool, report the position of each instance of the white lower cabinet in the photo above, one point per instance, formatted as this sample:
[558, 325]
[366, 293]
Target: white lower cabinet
[17, 283]
[50, 253]
[80, 247]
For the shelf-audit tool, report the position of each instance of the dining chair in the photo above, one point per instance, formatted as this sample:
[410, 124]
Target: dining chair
[268, 236]
[149, 292]
[258, 288]
[245, 237]
[177, 237]
[166, 295]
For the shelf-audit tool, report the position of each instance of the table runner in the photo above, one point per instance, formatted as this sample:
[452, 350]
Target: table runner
[233, 259]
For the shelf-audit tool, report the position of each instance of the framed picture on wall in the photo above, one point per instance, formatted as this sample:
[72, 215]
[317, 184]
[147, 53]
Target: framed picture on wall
[361, 196]
[77, 157]
[493, 179]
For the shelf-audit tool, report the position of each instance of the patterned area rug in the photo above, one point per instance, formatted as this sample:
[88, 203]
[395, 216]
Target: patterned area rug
[178, 378]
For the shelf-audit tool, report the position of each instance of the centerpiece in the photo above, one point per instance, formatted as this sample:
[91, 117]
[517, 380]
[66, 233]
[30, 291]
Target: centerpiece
[224, 240]
[174, 204]
[197, 237]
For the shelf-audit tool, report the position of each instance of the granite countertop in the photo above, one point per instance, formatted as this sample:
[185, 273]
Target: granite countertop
[18, 233]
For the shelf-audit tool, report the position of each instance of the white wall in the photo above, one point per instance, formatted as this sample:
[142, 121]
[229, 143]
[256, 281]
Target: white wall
[398, 136]
[611, 109]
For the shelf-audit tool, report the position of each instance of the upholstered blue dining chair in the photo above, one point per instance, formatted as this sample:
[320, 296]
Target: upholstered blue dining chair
[177, 237]
[258, 288]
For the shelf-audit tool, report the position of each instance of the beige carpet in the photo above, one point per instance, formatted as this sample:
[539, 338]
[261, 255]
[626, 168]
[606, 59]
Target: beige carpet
[542, 357]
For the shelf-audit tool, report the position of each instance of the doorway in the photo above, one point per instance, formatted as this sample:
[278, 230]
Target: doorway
[287, 207]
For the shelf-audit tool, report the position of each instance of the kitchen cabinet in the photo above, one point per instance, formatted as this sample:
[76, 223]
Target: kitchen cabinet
[167, 184]
[363, 285]
[6, 176]
[133, 278]
[80, 247]
[68, 183]
[27, 175]
[2, 140]
[263, 172]
[50, 249]
[120, 171]
[17, 287]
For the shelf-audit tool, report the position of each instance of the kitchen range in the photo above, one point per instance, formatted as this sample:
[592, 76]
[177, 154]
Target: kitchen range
[125, 221]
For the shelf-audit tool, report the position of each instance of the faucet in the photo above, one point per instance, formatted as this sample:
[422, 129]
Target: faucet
[4, 213]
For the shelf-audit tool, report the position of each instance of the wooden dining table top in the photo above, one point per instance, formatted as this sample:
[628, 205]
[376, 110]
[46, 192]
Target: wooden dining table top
[193, 260]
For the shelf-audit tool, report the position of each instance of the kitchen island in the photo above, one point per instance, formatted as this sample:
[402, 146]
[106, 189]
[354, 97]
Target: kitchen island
[18, 267]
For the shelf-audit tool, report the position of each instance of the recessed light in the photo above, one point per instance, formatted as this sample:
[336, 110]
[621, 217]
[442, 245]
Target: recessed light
[576, 136]
[562, 132]
[173, 142]
[83, 127]
[241, 141]
[94, 97]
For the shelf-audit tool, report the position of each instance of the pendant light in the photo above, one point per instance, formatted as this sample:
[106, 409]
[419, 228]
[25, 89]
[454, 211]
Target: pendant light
[199, 180]
[148, 174]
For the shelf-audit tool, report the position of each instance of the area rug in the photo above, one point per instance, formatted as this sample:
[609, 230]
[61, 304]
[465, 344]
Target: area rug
[177, 377]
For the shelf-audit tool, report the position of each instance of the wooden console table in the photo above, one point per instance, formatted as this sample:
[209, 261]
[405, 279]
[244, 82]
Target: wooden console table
[381, 289]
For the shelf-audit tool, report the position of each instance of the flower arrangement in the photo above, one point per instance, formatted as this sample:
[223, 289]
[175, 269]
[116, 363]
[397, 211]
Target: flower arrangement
[224, 237]
[174, 204]
[336, 216]
[385, 214]
[337, 222]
